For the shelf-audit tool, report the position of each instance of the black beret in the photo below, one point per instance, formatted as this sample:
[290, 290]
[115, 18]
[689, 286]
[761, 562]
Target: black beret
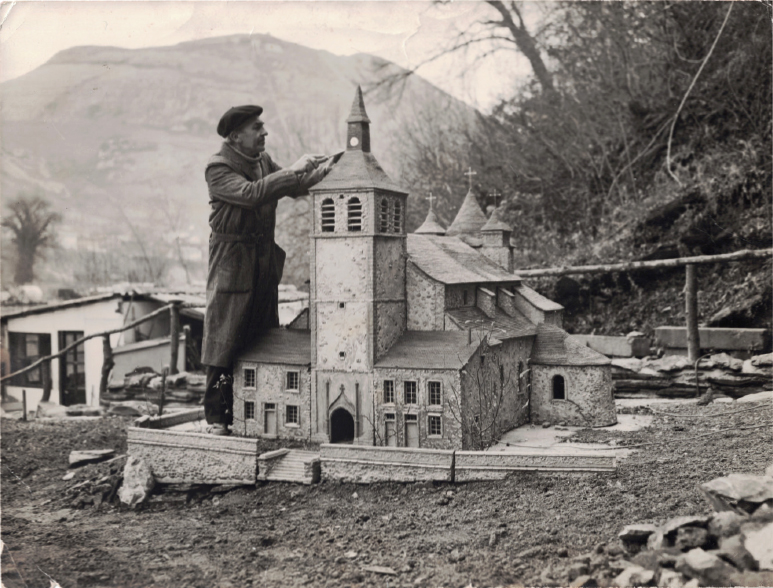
[236, 117]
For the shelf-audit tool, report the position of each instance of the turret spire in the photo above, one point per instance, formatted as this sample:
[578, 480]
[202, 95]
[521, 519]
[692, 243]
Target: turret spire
[431, 226]
[358, 135]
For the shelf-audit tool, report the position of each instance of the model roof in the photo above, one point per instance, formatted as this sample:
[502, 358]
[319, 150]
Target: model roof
[554, 346]
[430, 226]
[430, 350]
[501, 325]
[450, 261]
[495, 223]
[469, 219]
[285, 346]
[536, 299]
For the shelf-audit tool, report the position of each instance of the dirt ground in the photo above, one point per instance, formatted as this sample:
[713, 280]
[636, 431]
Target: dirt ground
[479, 534]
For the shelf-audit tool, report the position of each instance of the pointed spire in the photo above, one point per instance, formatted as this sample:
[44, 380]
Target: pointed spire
[358, 113]
[431, 226]
[358, 134]
[495, 222]
[470, 218]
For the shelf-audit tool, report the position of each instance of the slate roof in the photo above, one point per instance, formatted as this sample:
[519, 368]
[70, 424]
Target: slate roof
[495, 223]
[450, 261]
[358, 113]
[357, 170]
[431, 226]
[537, 300]
[285, 346]
[430, 350]
[501, 325]
[554, 346]
[469, 219]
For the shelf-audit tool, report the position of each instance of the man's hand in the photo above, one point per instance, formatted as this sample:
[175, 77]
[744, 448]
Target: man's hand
[307, 163]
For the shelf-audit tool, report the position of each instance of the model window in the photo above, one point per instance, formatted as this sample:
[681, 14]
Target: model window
[520, 371]
[292, 415]
[410, 396]
[292, 381]
[354, 214]
[249, 409]
[27, 348]
[433, 393]
[328, 215]
[389, 391]
[434, 426]
[249, 377]
[559, 388]
[464, 297]
[384, 216]
[397, 219]
[389, 416]
[411, 418]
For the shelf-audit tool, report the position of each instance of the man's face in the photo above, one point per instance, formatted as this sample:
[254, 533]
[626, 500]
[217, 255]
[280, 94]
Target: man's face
[251, 138]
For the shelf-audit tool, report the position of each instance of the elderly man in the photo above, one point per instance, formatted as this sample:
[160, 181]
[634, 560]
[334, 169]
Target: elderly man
[245, 265]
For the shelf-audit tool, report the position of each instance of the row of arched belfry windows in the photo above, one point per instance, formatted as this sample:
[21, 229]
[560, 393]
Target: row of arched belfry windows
[390, 218]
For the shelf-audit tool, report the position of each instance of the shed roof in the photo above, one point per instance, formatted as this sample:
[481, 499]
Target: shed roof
[554, 346]
[430, 350]
[469, 219]
[501, 325]
[285, 346]
[450, 261]
[42, 309]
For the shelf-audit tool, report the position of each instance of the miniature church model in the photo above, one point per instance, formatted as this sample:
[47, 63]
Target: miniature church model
[420, 340]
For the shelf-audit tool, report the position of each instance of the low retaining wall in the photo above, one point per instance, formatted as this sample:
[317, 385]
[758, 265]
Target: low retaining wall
[178, 457]
[363, 464]
[170, 420]
[483, 465]
[352, 463]
[674, 339]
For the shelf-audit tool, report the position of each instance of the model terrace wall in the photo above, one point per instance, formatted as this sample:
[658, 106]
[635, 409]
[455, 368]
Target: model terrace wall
[271, 387]
[179, 457]
[588, 396]
[364, 465]
[479, 465]
[448, 411]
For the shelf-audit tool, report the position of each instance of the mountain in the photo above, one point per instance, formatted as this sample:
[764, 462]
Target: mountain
[117, 140]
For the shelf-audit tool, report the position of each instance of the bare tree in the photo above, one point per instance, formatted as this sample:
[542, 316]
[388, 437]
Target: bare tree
[31, 221]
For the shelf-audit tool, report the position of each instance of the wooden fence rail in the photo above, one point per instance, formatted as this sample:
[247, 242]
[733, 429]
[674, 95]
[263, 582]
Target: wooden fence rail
[635, 265]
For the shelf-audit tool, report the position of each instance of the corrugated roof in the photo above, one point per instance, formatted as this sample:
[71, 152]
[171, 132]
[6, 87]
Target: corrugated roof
[357, 170]
[59, 305]
[536, 299]
[431, 226]
[469, 219]
[554, 346]
[286, 346]
[501, 325]
[430, 350]
[495, 223]
[450, 261]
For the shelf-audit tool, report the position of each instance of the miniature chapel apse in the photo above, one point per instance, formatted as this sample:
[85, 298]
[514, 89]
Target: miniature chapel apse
[421, 340]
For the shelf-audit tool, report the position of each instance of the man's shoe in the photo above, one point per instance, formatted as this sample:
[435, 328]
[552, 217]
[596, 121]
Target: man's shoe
[218, 429]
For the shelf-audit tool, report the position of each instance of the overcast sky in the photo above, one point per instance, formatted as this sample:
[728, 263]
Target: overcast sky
[403, 32]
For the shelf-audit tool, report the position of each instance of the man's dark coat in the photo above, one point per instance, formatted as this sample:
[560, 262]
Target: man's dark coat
[245, 265]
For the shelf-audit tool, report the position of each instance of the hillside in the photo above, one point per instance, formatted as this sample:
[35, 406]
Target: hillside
[117, 140]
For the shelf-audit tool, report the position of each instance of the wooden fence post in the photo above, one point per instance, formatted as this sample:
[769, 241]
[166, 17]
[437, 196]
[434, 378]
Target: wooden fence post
[691, 313]
[174, 336]
[107, 364]
[24, 405]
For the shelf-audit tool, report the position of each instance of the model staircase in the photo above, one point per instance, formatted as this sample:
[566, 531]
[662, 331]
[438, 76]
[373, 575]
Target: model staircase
[289, 465]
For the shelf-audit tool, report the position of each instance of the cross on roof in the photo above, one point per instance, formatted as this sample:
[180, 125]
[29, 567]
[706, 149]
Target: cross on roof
[470, 173]
[495, 195]
[431, 198]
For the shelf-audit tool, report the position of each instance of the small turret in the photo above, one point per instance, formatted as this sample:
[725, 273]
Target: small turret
[496, 240]
[431, 226]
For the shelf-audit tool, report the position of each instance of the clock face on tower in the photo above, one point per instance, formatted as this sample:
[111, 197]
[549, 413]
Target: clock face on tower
[354, 141]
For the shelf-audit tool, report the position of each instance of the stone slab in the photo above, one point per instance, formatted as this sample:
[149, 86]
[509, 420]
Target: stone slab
[714, 338]
[365, 464]
[616, 346]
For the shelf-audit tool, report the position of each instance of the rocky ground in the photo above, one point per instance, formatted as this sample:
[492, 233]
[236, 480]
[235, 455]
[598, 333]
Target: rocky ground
[531, 529]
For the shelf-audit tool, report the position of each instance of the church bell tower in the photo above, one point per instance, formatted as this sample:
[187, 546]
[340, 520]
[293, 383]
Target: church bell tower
[357, 300]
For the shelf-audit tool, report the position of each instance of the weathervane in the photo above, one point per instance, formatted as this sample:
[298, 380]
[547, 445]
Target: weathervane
[470, 173]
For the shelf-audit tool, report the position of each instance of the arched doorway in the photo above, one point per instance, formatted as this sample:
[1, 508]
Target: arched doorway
[341, 426]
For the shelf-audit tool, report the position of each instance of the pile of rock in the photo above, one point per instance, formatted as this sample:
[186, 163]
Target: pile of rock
[146, 384]
[674, 375]
[731, 547]
[95, 484]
